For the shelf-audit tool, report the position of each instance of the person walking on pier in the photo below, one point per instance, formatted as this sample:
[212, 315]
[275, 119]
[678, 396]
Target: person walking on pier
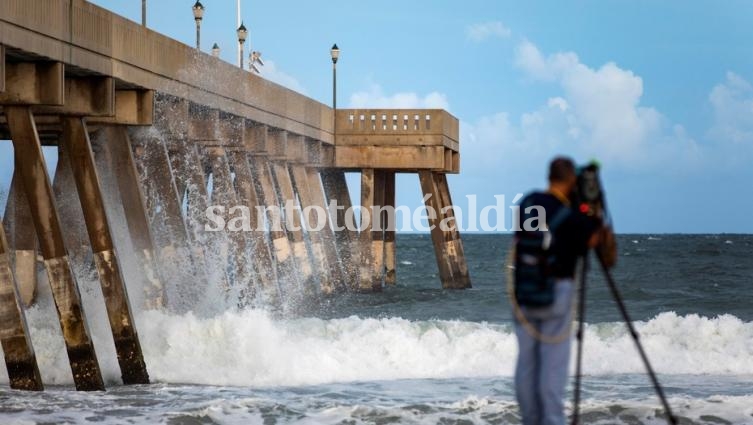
[543, 327]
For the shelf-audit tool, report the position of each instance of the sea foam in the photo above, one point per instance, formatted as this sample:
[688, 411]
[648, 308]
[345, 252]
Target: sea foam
[251, 348]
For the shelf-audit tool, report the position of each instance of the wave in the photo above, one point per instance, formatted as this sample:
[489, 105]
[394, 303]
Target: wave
[252, 348]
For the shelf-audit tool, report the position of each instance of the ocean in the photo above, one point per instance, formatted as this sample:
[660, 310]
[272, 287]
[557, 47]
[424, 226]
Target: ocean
[417, 354]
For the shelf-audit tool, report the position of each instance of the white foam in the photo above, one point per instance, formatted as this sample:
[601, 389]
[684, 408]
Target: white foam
[251, 348]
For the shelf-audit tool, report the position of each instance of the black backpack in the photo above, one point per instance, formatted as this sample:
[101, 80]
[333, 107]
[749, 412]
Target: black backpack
[534, 259]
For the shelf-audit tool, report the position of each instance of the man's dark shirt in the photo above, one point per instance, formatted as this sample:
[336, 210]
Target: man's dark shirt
[570, 239]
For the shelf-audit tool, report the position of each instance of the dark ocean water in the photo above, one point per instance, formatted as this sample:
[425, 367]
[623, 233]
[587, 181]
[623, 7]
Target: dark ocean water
[417, 354]
[702, 274]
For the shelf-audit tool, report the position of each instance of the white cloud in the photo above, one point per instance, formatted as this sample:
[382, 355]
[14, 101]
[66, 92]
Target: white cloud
[272, 73]
[483, 31]
[600, 108]
[374, 97]
[732, 103]
[597, 113]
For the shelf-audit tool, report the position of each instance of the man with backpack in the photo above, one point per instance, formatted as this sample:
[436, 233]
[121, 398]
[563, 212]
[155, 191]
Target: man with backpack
[545, 264]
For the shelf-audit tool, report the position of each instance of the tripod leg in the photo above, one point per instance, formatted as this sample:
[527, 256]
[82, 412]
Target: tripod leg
[580, 335]
[633, 333]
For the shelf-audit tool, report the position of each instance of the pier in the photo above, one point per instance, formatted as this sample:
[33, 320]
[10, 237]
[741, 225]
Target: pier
[154, 132]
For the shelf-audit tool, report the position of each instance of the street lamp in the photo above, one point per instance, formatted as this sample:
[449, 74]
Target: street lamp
[216, 50]
[143, 12]
[335, 54]
[242, 34]
[198, 14]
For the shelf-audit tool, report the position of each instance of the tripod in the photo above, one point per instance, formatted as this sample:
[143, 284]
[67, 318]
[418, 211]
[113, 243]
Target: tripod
[633, 333]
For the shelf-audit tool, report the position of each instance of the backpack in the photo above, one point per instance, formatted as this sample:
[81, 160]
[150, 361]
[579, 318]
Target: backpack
[534, 259]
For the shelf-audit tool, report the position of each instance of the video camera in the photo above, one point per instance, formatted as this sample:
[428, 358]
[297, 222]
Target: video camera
[588, 195]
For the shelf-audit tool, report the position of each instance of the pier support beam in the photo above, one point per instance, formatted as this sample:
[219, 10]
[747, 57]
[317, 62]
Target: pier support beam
[211, 247]
[336, 189]
[390, 224]
[179, 263]
[287, 199]
[115, 148]
[372, 230]
[262, 259]
[31, 165]
[75, 140]
[327, 234]
[20, 360]
[23, 239]
[284, 259]
[224, 194]
[452, 269]
[455, 244]
[315, 225]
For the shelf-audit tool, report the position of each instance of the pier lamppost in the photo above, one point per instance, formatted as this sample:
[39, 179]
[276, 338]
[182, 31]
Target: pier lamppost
[335, 54]
[198, 15]
[143, 12]
[242, 34]
[216, 50]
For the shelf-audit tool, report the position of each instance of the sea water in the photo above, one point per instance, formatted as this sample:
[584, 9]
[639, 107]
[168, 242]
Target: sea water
[417, 354]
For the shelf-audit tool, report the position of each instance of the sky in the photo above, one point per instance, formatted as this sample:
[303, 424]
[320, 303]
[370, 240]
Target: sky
[661, 93]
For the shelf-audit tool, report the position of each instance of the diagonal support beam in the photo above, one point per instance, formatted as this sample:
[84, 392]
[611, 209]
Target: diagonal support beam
[287, 199]
[224, 194]
[130, 358]
[116, 156]
[328, 235]
[454, 243]
[263, 263]
[281, 247]
[315, 227]
[438, 236]
[23, 239]
[31, 165]
[336, 189]
[20, 360]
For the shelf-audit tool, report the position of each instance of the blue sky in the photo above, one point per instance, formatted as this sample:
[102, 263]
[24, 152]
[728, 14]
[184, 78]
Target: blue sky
[660, 92]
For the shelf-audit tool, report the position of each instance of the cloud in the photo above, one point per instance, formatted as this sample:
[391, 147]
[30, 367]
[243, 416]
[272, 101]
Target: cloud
[483, 31]
[374, 97]
[272, 73]
[598, 112]
[594, 113]
[732, 103]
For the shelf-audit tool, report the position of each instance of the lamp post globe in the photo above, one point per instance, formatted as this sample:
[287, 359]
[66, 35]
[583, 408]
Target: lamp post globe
[242, 33]
[334, 53]
[198, 15]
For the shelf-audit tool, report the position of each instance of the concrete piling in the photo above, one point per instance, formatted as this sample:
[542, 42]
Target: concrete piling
[390, 248]
[31, 166]
[20, 361]
[346, 237]
[117, 157]
[75, 140]
[23, 239]
[285, 261]
[266, 273]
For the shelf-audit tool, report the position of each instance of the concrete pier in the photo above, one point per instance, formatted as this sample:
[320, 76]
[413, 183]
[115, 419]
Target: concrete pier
[158, 120]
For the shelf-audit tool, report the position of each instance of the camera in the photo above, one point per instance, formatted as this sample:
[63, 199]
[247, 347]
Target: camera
[588, 195]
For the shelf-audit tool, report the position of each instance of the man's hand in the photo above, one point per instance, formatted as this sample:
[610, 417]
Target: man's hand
[606, 246]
